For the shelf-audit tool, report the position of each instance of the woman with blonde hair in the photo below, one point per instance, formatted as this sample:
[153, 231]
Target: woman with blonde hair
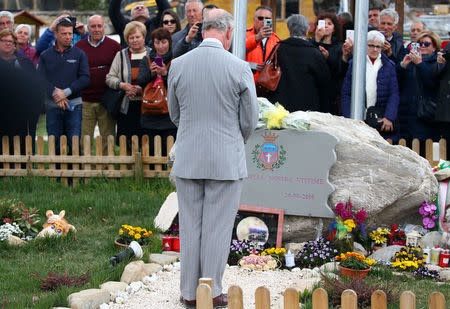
[125, 79]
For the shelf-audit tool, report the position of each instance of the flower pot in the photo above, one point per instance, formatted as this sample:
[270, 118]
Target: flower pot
[176, 244]
[355, 274]
[119, 244]
[398, 243]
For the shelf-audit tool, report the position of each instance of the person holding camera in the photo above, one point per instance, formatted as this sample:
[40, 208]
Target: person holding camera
[441, 71]
[260, 39]
[416, 81]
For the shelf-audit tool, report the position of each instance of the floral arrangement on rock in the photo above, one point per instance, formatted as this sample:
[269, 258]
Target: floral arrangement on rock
[353, 260]
[379, 236]
[397, 236]
[316, 253]
[348, 227]
[241, 248]
[430, 215]
[17, 220]
[408, 259]
[277, 253]
[258, 262]
[128, 233]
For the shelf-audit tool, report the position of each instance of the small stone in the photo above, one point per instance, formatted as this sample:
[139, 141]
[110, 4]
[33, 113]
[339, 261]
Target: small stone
[358, 248]
[172, 253]
[385, 254]
[151, 268]
[88, 299]
[104, 306]
[114, 286]
[301, 284]
[295, 269]
[134, 287]
[134, 271]
[329, 267]
[15, 241]
[444, 275]
[162, 259]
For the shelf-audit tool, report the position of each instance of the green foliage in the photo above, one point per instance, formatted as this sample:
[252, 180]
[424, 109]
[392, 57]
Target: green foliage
[97, 210]
[91, 5]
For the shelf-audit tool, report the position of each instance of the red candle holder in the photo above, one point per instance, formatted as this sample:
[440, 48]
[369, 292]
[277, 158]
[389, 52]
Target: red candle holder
[176, 244]
[167, 243]
[444, 258]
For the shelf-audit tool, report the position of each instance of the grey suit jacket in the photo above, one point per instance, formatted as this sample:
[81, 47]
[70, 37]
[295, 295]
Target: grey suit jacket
[212, 101]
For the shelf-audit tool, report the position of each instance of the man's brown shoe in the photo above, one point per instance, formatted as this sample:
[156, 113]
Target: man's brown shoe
[220, 301]
[188, 303]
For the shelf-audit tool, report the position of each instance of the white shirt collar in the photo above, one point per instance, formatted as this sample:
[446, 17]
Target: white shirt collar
[212, 40]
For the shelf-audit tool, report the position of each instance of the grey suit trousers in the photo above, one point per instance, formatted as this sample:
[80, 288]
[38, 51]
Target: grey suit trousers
[207, 210]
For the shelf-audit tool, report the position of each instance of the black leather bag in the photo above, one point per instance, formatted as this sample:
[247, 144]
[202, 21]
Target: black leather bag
[112, 98]
[375, 113]
[426, 107]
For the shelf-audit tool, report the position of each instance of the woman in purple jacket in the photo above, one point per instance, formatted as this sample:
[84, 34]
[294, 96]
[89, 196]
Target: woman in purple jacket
[381, 85]
[23, 46]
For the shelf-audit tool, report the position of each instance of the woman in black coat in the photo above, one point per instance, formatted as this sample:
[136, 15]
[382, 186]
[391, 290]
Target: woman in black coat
[305, 77]
[328, 39]
[441, 71]
[148, 73]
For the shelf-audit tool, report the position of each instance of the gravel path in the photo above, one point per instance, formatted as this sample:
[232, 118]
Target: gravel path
[162, 290]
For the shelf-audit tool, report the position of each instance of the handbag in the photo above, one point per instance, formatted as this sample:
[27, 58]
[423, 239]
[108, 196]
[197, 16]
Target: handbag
[375, 113]
[271, 73]
[112, 98]
[154, 97]
[426, 106]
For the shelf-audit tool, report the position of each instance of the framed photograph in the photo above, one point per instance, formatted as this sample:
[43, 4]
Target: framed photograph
[259, 224]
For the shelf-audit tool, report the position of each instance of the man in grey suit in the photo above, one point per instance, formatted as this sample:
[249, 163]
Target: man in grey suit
[212, 100]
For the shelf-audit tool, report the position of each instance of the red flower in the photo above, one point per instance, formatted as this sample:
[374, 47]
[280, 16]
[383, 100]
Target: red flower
[394, 227]
[7, 220]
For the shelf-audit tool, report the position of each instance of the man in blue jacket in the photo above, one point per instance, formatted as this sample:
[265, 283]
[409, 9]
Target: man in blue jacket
[66, 70]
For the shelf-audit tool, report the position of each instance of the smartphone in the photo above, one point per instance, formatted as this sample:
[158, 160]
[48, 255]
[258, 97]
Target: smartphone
[321, 24]
[415, 48]
[350, 34]
[71, 107]
[268, 23]
[159, 61]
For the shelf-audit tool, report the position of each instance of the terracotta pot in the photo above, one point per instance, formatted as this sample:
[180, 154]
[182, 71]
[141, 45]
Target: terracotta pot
[377, 247]
[119, 244]
[351, 273]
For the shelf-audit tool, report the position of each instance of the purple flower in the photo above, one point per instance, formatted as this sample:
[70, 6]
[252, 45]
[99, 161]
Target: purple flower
[434, 218]
[429, 208]
[428, 223]
[422, 211]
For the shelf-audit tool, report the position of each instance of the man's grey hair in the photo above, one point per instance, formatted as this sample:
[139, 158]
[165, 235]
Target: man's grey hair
[263, 7]
[346, 16]
[96, 15]
[389, 12]
[7, 14]
[21, 26]
[298, 25]
[200, 3]
[220, 22]
[376, 36]
[419, 22]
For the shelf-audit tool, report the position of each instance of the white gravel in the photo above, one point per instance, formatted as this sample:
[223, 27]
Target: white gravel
[162, 290]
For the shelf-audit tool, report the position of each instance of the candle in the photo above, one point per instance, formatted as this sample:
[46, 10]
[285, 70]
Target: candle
[435, 151]
[289, 259]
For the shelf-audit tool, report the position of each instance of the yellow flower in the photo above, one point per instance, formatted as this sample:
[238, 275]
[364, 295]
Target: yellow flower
[131, 233]
[120, 232]
[137, 236]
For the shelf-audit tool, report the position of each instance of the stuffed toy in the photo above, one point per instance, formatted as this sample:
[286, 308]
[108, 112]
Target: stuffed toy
[56, 225]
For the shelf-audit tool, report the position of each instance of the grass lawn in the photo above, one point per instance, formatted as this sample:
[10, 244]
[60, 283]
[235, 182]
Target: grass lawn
[97, 210]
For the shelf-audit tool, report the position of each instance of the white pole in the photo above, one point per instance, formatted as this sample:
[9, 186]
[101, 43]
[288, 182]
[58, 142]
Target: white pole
[359, 60]
[240, 17]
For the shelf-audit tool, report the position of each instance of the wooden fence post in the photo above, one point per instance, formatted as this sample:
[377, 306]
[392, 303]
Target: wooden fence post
[320, 299]
[134, 144]
[429, 151]
[98, 152]
[436, 301]
[158, 151]
[137, 165]
[402, 142]
[40, 151]
[291, 299]
[87, 151]
[16, 143]
[145, 151]
[63, 152]
[349, 300]
[29, 153]
[207, 281]
[378, 300]
[5, 150]
[262, 298]
[407, 300]
[443, 149]
[235, 297]
[204, 297]
[52, 152]
[123, 150]
[75, 153]
[416, 146]
[111, 142]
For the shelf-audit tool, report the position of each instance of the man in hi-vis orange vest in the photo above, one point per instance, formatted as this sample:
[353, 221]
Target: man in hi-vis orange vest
[260, 39]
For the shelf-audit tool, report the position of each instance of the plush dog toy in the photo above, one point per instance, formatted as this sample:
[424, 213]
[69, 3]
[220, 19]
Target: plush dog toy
[56, 225]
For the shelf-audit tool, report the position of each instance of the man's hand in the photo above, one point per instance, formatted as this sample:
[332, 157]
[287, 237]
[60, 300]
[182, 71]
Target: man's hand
[319, 34]
[63, 104]
[387, 125]
[157, 70]
[387, 49]
[192, 33]
[58, 95]
[81, 29]
[440, 59]
[53, 25]
[264, 32]
[347, 49]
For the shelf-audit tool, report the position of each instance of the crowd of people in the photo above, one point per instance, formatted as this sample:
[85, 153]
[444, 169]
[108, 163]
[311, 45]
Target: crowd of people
[79, 63]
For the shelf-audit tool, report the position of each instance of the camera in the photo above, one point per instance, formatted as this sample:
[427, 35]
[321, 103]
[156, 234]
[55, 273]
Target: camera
[268, 23]
[73, 20]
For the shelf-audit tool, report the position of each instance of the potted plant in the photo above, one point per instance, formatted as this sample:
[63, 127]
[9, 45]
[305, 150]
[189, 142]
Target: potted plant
[379, 237]
[354, 265]
[128, 233]
[397, 236]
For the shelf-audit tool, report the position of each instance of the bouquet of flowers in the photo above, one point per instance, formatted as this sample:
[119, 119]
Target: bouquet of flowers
[408, 259]
[353, 260]
[424, 272]
[277, 253]
[315, 253]
[397, 236]
[379, 235]
[241, 248]
[128, 233]
[348, 225]
[430, 215]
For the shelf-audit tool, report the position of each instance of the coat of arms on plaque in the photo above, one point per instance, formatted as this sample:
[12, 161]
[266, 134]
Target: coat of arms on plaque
[269, 155]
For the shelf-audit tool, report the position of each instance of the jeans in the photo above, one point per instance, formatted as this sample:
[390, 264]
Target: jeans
[63, 122]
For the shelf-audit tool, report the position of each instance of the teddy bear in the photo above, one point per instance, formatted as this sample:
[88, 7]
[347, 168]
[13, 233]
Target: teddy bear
[56, 225]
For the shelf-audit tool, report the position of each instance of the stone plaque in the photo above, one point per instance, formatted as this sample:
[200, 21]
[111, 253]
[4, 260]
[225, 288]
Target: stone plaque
[289, 169]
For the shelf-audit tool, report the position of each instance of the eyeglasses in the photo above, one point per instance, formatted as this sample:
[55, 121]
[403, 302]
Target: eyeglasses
[7, 42]
[262, 17]
[6, 22]
[427, 44]
[374, 46]
[169, 21]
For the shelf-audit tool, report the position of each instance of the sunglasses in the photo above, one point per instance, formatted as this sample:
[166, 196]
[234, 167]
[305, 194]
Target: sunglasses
[169, 21]
[262, 17]
[427, 44]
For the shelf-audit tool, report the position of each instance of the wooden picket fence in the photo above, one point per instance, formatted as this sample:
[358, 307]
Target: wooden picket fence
[349, 299]
[135, 162]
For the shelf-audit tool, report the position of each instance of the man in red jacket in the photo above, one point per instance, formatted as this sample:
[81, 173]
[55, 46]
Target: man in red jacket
[100, 51]
[260, 40]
